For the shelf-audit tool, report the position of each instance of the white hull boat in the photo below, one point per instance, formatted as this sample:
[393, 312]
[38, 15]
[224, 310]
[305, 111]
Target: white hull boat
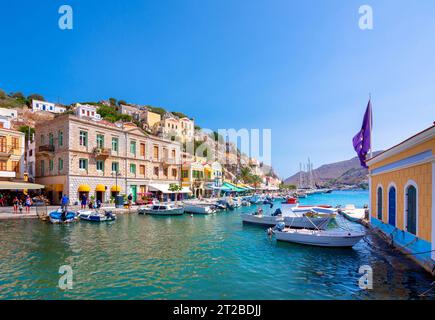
[161, 210]
[290, 221]
[199, 208]
[320, 238]
[261, 219]
[94, 216]
[319, 210]
[353, 214]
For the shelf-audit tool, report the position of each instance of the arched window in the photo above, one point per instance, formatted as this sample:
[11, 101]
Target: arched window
[392, 204]
[379, 203]
[411, 214]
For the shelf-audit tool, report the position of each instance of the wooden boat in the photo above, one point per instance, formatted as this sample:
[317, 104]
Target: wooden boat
[162, 209]
[95, 216]
[57, 217]
[322, 238]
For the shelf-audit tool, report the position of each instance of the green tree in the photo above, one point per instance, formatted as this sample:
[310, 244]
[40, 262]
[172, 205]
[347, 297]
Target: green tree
[245, 175]
[173, 187]
[112, 101]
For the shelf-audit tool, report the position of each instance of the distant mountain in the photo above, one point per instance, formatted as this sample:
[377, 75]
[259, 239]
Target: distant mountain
[348, 172]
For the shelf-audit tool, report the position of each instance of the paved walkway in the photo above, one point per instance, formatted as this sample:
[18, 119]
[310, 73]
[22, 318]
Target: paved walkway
[8, 212]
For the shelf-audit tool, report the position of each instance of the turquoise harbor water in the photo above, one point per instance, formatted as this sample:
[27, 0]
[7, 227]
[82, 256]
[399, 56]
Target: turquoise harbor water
[200, 257]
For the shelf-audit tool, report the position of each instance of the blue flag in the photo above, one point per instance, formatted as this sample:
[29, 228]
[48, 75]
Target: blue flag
[362, 141]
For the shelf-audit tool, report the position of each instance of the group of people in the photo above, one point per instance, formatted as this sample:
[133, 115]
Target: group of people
[20, 202]
[84, 201]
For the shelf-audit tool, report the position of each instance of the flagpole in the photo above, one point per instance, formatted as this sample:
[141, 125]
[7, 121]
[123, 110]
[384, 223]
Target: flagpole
[370, 124]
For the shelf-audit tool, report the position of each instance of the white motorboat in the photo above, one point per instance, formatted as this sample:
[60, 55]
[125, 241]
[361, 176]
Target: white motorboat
[199, 208]
[353, 214]
[162, 209]
[96, 216]
[323, 238]
[318, 210]
[261, 219]
[290, 219]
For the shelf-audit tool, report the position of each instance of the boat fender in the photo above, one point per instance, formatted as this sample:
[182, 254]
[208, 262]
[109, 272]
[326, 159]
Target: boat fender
[270, 231]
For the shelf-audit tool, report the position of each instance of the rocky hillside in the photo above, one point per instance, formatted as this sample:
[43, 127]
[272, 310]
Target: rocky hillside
[348, 172]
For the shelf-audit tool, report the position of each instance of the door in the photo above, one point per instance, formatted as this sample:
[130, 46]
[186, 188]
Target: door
[133, 191]
[99, 197]
[392, 206]
[411, 210]
[379, 204]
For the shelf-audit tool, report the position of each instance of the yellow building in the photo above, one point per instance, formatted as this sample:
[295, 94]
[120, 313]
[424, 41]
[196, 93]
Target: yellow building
[11, 154]
[402, 193]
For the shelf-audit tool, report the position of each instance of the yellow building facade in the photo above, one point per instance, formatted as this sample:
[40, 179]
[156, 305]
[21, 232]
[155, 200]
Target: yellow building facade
[402, 193]
[11, 154]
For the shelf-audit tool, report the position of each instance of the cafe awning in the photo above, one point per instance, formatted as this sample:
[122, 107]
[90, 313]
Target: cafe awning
[84, 188]
[10, 185]
[115, 189]
[100, 188]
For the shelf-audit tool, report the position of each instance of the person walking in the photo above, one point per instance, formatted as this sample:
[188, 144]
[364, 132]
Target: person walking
[130, 199]
[84, 202]
[28, 203]
[15, 203]
[64, 203]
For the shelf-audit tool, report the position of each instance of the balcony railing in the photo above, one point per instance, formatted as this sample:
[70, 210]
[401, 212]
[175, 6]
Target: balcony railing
[102, 152]
[46, 149]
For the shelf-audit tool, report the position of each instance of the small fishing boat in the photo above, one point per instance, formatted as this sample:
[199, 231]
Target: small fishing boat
[162, 209]
[260, 219]
[199, 208]
[318, 210]
[96, 216]
[256, 199]
[58, 216]
[290, 219]
[322, 238]
[352, 214]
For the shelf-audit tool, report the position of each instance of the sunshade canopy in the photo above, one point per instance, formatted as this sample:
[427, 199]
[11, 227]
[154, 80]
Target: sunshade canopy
[10, 185]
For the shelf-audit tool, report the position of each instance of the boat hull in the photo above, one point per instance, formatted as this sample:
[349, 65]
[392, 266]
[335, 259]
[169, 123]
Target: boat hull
[92, 216]
[171, 212]
[56, 217]
[268, 221]
[199, 209]
[319, 238]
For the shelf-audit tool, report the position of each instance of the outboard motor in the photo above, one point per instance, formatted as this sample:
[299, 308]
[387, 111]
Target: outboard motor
[279, 227]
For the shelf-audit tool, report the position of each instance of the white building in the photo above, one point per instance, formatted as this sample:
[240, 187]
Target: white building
[47, 106]
[5, 122]
[87, 111]
[9, 113]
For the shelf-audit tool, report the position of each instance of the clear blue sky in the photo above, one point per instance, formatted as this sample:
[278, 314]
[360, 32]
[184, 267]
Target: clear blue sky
[302, 68]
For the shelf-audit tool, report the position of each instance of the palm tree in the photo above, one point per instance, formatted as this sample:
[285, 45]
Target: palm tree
[245, 175]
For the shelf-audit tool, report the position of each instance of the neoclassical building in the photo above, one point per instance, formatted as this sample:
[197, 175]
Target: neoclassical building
[79, 155]
[402, 195]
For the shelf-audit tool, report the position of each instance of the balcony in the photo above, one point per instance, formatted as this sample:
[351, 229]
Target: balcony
[46, 150]
[102, 153]
[5, 153]
[169, 161]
